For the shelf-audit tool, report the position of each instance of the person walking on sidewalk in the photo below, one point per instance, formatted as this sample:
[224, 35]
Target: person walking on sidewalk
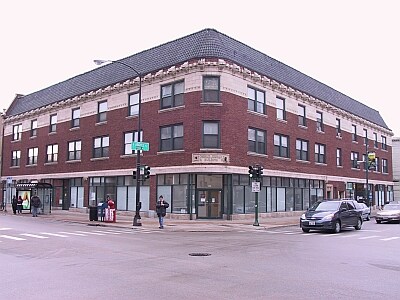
[161, 210]
[14, 204]
[19, 205]
[35, 202]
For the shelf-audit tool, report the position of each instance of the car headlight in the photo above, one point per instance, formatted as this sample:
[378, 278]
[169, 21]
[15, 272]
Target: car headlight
[303, 216]
[328, 217]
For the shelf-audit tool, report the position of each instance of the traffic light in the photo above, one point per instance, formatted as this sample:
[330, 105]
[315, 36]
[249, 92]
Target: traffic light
[252, 172]
[371, 161]
[259, 171]
[146, 172]
[134, 174]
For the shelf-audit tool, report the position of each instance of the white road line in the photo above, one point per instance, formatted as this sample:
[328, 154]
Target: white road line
[12, 238]
[120, 231]
[391, 238]
[290, 233]
[5, 228]
[347, 236]
[34, 236]
[89, 232]
[72, 233]
[54, 234]
[368, 237]
[107, 232]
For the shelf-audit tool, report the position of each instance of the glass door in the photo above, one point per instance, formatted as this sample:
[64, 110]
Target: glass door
[209, 204]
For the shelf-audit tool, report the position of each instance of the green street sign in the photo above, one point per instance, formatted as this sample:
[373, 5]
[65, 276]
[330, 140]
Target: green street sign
[140, 146]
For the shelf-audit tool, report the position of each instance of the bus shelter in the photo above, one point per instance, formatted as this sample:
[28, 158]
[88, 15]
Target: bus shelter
[42, 189]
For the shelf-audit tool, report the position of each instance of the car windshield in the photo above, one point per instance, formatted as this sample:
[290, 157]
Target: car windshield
[392, 207]
[325, 206]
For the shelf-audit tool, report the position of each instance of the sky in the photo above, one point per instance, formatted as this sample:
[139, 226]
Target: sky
[350, 45]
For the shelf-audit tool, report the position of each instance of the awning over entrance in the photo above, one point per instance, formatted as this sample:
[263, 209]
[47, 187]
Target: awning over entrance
[36, 185]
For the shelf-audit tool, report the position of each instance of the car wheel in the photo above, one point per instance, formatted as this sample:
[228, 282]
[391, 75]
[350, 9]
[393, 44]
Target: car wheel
[305, 230]
[337, 227]
[359, 224]
[378, 221]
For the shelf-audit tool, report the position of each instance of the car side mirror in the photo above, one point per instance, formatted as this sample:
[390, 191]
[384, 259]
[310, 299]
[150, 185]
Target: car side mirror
[343, 209]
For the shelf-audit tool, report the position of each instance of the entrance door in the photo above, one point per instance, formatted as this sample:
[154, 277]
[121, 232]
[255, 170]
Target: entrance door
[209, 204]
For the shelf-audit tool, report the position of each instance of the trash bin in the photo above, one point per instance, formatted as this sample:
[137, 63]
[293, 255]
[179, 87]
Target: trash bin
[93, 213]
[101, 207]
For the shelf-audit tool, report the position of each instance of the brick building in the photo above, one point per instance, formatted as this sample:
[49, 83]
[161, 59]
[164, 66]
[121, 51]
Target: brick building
[211, 106]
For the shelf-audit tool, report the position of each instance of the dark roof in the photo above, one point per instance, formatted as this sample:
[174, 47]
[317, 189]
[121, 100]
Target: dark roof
[207, 43]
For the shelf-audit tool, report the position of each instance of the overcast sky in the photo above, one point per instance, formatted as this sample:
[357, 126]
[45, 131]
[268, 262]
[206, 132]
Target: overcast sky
[351, 45]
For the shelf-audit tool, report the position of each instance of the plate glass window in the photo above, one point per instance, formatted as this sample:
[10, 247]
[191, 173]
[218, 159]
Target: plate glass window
[102, 111]
[210, 89]
[76, 116]
[338, 128]
[33, 128]
[133, 104]
[211, 134]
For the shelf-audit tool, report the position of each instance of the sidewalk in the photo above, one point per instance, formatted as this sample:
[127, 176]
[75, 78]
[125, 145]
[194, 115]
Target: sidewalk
[126, 221]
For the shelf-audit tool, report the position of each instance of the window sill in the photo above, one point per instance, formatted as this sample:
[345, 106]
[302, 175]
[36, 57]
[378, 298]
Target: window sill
[31, 166]
[257, 114]
[15, 141]
[320, 131]
[14, 167]
[164, 110]
[356, 169]
[281, 121]
[210, 149]
[302, 126]
[99, 158]
[73, 161]
[101, 123]
[170, 152]
[210, 104]
[74, 128]
[132, 117]
[303, 161]
[251, 153]
[320, 164]
[52, 133]
[33, 137]
[51, 163]
[354, 142]
[128, 155]
[340, 167]
[282, 158]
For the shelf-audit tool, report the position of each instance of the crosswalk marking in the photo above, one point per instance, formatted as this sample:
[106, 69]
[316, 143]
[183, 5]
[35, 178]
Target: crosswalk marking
[12, 238]
[347, 236]
[54, 234]
[4, 228]
[108, 232]
[391, 238]
[72, 233]
[368, 237]
[89, 232]
[34, 236]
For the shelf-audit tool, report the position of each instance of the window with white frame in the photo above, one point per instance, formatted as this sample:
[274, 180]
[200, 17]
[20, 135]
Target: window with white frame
[33, 128]
[280, 108]
[130, 137]
[101, 146]
[338, 127]
[172, 95]
[354, 159]
[256, 140]
[301, 109]
[320, 156]
[375, 140]
[17, 132]
[211, 89]
[281, 145]
[171, 137]
[33, 156]
[211, 133]
[52, 153]
[365, 136]
[102, 108]
[16, 158]
[385, 166]
[354, 133]
[338, 157]
[53, 123]
[302, 150]
[74, 150]
[256, 100]
[320, 121]
[384, 145]
[133, 104]
[377, 165]
[76, 116]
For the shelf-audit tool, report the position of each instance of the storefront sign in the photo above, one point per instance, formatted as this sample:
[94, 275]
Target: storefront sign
[210, 158]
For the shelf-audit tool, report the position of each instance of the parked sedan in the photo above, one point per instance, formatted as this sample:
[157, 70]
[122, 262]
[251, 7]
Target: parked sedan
[390, 212]
[331, 215]
[365, 211]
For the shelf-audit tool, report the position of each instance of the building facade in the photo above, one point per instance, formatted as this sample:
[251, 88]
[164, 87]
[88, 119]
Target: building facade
[210, 107]
[396, 168]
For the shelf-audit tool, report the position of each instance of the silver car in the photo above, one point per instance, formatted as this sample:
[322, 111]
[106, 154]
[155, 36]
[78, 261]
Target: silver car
[390, 212]
[365, 211]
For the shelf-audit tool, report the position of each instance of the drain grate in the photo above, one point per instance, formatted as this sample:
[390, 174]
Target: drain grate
[199, 254]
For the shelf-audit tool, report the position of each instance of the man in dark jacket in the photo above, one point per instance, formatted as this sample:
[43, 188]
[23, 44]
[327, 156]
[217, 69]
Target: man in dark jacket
[35, 202]
[161, 210]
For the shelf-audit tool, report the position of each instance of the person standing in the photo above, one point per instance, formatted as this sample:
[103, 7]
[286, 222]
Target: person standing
[35, 202]
[14, 204]
[161, 210]
[19, 205]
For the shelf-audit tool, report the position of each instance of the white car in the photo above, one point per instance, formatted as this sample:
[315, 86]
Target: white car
[365, 211]
[390, 212]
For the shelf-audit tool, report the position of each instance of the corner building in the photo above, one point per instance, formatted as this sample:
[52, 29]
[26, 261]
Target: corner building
[211, 106]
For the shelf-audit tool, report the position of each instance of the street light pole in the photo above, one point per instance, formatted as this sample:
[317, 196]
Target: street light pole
[137, 218]
[366, 175]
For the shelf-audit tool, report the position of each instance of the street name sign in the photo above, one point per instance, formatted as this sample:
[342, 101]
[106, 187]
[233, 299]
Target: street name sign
[140, 146]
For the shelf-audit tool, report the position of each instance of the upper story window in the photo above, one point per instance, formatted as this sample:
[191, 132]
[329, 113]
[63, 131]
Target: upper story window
[101, 146]
[76, 117]
[171, 137]
[74, 150]
[172, 95]
[33, 128]
[211, 135]
[256, 140]
[375, 140]
[320, 156]
[256, 100]
[354, 133]
[385, 166]
[354, 160]
[365, 136]
[16, 158]
[302, 149]
[281, 145]
[52, 153]
[338, 156]
[33, 156]
[377, 166]
[130, 137]
[280, 108]
[384, 145]
[133, 104]
[320, 121]
[53, 123]
[210, 89]
[338, 127]
[301, 109]
[17, 132]
[102, 109]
